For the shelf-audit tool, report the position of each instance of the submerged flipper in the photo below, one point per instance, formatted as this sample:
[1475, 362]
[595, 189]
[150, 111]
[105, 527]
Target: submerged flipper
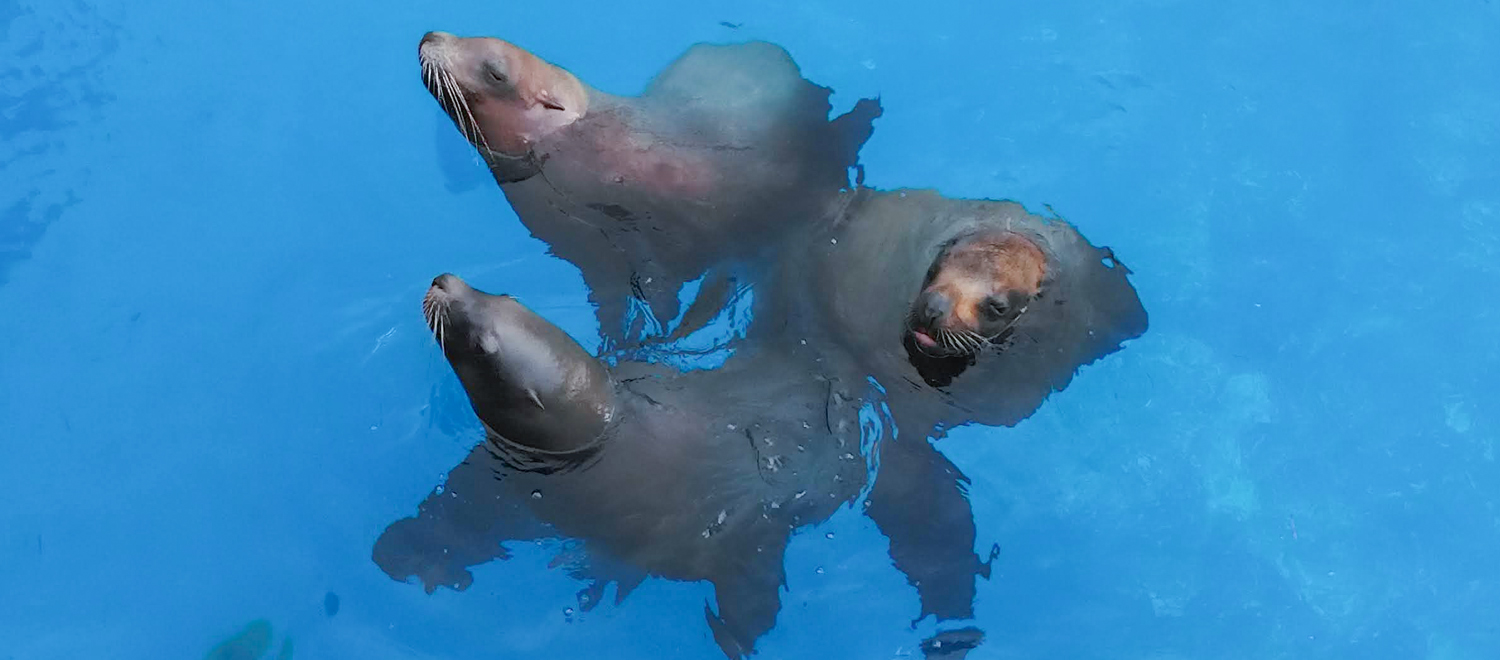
[919, 503]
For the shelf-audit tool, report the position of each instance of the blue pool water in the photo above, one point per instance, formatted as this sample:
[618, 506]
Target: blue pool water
[216, 388]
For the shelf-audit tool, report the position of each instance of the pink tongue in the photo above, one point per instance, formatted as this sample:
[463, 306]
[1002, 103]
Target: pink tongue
[923, 339]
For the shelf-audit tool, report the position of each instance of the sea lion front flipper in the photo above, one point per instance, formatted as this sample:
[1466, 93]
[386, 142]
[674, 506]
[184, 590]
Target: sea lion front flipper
[918, 502]
[854, 128]
[713, 294]
[459, 525]
[749, 600]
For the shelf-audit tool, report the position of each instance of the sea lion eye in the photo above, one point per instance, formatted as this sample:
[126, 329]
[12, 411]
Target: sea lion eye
[995, 307]
[494, 73]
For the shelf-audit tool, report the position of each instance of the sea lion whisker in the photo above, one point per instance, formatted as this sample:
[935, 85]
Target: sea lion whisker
[462, 113]
[1002, 331]
[450, 99]
[946, 339]
[971, 340]
[968, 345]
[444, 92]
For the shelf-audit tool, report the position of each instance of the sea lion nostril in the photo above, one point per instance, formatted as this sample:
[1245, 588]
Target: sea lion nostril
[933, 308]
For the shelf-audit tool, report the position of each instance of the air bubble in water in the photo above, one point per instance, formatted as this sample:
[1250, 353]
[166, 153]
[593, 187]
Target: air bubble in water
[536, 494]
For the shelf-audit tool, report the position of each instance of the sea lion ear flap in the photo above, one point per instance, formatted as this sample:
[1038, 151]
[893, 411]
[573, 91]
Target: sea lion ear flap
[544, 98]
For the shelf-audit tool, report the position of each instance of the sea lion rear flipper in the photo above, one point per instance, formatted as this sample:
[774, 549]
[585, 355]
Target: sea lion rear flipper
[918, 502]
[458, 526]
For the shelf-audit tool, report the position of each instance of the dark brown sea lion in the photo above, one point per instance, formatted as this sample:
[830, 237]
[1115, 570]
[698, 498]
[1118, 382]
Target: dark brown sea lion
[701, 475]
[724, 148]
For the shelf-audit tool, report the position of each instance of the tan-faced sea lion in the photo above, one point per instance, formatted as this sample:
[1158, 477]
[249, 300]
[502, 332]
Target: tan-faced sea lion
[724, 147]
[965, 311]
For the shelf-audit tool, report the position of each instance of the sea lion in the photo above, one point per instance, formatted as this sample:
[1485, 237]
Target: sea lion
[644, 193]
[699, 475]
[965, 311]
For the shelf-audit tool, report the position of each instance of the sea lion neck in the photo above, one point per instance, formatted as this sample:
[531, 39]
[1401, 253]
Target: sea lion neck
[528, 381]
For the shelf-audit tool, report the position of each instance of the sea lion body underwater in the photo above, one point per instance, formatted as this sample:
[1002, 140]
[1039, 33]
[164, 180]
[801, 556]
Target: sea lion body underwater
[644, 193]
[700, 475]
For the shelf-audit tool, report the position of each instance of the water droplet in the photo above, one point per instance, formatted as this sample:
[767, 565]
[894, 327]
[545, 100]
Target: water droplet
[819, 571]
[536, 494]
[372, 428]
[828, 535]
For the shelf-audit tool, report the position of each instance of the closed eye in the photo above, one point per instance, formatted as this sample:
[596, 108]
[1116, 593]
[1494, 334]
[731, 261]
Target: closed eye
[494, 73]
[995, 308]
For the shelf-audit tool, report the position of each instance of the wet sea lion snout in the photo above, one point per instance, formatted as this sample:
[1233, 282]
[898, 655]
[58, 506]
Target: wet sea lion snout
[528, 381]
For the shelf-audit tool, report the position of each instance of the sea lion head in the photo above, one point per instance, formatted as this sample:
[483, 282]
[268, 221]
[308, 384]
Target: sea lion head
[976, 290]
[529, 382]
[502, 97]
